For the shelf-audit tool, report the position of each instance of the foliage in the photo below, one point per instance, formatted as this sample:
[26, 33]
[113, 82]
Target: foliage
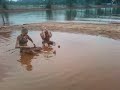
[68, 3]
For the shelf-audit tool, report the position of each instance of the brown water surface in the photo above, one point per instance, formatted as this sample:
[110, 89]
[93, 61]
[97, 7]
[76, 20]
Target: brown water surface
[82, 62]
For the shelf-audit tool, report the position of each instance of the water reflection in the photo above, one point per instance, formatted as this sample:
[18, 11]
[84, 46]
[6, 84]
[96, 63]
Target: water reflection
[4, 13]
[62, 15]
[87, 13]
[26, 60]
[5, 18]
[48, 52]
[71, 14]
[116, 11]
[99, 11]
[49, 14]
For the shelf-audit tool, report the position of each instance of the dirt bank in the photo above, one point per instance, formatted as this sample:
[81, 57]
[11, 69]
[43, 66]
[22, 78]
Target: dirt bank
[107, 30]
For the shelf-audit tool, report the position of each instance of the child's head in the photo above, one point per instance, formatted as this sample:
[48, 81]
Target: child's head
[24, 31]
[46, 32]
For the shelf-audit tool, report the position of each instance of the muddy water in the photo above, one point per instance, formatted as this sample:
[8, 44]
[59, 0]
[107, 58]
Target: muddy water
[83, 62]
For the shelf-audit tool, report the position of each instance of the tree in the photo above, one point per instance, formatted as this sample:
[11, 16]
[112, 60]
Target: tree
[49, 4]
[71, 3]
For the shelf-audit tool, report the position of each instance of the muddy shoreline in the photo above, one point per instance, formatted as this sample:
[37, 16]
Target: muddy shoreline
[107, 30]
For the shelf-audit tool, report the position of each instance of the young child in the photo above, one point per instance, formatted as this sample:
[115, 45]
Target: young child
[22, 41]
[46, 35]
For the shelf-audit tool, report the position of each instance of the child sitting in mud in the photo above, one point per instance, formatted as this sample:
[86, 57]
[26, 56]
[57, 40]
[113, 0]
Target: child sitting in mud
[22, 41]
[23, 38]
[46, 35]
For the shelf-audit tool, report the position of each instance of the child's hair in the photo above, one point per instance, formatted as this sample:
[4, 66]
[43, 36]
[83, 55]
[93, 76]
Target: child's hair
[24, 30]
